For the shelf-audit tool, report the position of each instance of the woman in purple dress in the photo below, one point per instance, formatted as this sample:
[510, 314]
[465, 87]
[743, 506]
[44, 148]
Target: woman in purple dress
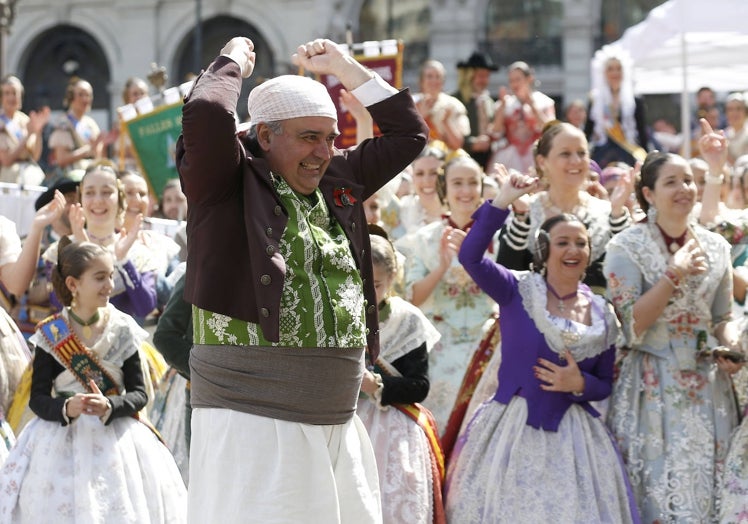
[538, 452]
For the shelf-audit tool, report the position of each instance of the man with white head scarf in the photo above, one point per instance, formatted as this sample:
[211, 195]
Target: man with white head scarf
[280, 278]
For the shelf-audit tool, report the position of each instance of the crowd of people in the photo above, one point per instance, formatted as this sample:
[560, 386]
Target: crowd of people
[478, 314]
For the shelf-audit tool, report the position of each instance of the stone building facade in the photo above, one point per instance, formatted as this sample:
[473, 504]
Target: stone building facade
[108, 41]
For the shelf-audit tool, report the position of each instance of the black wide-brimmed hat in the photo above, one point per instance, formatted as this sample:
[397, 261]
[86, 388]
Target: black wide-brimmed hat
[64, 184]
[478, 60]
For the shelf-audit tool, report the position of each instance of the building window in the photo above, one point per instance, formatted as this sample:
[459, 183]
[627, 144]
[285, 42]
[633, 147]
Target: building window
[528, 30]
[618, 15]
[407, 21]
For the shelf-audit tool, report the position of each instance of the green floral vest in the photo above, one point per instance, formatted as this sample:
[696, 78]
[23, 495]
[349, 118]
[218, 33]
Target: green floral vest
[322, 303]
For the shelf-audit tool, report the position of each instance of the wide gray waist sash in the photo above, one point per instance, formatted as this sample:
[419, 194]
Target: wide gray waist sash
[309, 385]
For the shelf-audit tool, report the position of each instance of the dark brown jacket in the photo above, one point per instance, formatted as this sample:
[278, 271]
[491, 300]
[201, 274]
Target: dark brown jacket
[235, 219]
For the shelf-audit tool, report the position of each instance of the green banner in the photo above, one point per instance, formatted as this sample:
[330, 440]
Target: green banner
[154, 139]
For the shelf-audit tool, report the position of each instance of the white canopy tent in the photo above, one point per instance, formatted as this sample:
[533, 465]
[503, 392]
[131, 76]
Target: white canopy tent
[683, 45]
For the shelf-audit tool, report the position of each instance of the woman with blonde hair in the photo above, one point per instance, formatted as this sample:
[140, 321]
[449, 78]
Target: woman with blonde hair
[616, 125]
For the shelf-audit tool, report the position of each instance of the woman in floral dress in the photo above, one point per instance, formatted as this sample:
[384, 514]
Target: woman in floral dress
[672, 409]
[437, 283]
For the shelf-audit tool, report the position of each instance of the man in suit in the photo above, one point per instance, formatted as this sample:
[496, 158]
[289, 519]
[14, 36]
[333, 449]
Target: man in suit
[280, 278]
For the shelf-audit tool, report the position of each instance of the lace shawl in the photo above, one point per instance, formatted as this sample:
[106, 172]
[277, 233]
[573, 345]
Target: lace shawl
[121, 339]
[645, 248]
[597, 338]
[405, 330]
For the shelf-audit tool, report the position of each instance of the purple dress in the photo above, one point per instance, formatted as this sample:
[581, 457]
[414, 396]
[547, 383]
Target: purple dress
[530, 455]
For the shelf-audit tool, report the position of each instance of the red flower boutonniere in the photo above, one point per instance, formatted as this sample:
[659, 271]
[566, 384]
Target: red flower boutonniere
[343, 197]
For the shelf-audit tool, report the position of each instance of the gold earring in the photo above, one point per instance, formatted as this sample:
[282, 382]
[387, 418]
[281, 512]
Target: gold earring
[72, 301]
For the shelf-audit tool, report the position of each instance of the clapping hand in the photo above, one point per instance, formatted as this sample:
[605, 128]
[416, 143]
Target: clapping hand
[127, 238]
[425, 104]
[38, 119]
[623, 189]
[450, 244]
[689, 259]
[51, 211]
[78, 223]
[354, 106]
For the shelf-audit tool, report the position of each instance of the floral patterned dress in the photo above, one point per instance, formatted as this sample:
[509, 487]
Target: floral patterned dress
[734, 492]
[672, 411]
[458, 309]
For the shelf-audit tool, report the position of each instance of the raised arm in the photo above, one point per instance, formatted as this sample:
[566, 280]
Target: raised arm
[713, 149]
[488, 219]
[404, 133]
[208, 151]
[17, 275]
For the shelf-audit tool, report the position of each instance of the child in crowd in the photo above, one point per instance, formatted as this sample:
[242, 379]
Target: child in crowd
[86, 456]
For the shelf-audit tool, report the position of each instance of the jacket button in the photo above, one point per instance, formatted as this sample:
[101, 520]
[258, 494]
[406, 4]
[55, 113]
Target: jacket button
[363, 253]
[371, 310]
[277, 211]
[265, 280]
[367, 331]
[269, 231]
[353, 226]
[270, 250]
[264, 312]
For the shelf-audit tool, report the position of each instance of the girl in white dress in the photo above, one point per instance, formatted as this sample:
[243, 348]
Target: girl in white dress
[408, 456]
[86, 457]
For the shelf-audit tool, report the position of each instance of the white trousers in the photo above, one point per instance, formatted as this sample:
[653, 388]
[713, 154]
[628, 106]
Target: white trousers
[246, 468]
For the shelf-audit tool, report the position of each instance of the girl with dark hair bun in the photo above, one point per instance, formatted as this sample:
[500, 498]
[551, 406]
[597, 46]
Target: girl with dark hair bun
[540, 430]
[86, 455]
[402, 433]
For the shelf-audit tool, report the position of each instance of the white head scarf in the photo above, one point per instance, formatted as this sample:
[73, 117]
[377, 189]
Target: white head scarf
[289, 96]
